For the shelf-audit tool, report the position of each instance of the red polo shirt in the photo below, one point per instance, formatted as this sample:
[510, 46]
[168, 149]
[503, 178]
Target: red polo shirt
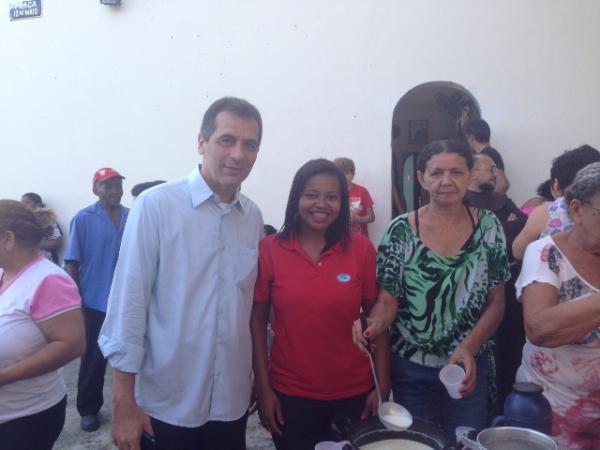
[360, 201]
[315, 305]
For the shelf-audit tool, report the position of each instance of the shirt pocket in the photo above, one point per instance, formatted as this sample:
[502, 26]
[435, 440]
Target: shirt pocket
[246, 265]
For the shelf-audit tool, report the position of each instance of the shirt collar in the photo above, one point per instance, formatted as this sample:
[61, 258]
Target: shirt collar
[201, 192]
[98, 209]
[294, 244]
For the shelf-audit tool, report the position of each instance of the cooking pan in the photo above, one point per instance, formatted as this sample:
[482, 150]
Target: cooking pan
[372, 430]
[506, 438]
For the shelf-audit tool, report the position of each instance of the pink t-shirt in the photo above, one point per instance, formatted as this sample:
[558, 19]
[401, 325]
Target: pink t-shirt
[38, 293]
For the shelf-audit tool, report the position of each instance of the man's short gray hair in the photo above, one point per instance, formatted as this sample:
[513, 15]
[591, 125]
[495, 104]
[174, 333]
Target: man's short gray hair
[236, 106]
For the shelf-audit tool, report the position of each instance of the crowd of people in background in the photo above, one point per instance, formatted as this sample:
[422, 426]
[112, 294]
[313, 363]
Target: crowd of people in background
[201, 309]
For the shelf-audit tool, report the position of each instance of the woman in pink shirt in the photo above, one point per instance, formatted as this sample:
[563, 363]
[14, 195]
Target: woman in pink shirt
[41, 330]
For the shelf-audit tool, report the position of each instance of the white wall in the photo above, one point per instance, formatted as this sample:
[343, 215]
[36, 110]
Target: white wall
[88, 85]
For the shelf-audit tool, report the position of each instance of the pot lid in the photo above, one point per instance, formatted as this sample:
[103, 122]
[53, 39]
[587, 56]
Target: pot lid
[528, 388]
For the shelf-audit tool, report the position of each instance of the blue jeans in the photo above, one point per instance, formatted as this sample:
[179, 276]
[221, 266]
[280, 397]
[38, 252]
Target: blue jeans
[419, 390]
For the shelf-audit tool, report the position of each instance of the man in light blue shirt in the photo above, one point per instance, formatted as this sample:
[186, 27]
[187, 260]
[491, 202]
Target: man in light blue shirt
[90, 259]
[177, 326]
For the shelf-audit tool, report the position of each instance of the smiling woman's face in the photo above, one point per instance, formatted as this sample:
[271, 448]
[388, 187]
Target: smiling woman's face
[446, 178]
[320, 203]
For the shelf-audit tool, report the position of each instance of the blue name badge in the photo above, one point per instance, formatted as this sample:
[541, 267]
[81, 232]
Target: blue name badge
[343, 277]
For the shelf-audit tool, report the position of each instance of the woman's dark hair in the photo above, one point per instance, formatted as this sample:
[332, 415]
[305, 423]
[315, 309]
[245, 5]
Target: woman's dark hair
[479, 129]
[446, 146]
[545, 190]
[338, 231]
[35, 198]
[29, 226]
[269, 229]
[565, 167]
[141, 187]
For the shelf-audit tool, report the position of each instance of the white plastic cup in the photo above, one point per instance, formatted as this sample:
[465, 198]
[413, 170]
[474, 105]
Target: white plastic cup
[452, 377]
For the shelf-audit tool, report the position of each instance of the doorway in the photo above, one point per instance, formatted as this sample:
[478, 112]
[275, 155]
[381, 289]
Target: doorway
[428, 112]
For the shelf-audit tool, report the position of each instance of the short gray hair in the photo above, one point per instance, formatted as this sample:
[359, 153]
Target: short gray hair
[585, 185]
[236, 106]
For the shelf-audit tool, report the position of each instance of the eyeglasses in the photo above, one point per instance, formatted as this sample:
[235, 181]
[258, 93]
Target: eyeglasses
[491, 169]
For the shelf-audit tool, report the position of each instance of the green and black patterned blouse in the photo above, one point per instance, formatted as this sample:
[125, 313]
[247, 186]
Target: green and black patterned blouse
[440, 298]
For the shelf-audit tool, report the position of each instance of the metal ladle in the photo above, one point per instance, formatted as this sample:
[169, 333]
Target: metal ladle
[392, 415]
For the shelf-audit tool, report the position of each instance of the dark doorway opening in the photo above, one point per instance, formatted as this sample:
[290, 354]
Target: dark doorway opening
[428, 112]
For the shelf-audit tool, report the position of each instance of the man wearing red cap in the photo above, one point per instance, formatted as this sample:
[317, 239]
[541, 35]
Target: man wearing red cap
[90, 259]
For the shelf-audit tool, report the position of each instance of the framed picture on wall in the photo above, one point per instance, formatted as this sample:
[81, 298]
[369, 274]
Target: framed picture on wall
[418, 131]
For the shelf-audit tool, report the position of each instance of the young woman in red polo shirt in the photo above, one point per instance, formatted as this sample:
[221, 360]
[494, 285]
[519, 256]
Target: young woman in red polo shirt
[316, 276]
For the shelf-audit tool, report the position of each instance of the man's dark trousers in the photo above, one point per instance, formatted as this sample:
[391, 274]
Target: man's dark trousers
[93, 366]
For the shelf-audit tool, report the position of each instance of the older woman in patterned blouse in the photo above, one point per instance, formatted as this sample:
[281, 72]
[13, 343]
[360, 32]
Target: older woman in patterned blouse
[441, 270]
[560, 282]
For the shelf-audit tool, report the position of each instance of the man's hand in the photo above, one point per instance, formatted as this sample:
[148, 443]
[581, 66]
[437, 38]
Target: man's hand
[269, 411]
[129, 422]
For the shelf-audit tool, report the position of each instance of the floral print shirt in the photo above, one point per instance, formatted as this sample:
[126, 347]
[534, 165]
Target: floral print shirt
[569, 374]
[558, 217]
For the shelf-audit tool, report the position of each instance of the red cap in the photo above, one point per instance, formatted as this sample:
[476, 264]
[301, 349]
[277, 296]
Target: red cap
[106, 173]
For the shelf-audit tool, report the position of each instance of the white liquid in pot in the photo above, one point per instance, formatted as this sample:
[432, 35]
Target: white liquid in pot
[395, 444]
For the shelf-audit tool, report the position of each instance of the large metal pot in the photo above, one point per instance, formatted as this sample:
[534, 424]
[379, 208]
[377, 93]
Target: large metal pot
[506, 438]
[372, 430]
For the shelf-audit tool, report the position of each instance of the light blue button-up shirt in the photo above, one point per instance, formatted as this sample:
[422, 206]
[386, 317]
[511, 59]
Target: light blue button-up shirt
[179, 307]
